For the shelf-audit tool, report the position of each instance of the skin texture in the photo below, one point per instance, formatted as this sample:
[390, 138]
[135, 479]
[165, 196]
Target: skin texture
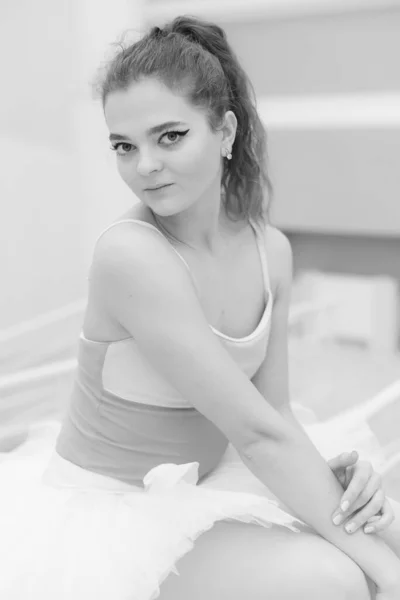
[191, 162]
[189, 214]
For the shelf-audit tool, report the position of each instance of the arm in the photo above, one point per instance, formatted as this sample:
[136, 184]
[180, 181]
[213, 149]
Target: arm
[148, 291]
[272, 381]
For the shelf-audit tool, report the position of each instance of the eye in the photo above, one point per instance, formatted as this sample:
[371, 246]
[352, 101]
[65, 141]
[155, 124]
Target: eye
[121, 148]
[180, 135]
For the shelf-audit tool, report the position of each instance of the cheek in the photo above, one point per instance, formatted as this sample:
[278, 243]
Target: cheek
[127, 171]
[197, 165]
[201, 163]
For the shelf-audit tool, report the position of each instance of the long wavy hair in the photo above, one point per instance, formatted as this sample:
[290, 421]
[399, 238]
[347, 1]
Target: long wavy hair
[193, 57]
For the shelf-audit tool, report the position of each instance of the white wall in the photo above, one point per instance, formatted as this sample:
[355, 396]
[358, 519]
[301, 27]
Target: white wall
[40, 208]
[58, 183]
[106, 196]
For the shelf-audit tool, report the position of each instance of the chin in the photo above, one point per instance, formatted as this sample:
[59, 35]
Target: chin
[167, 207]
[165, 211]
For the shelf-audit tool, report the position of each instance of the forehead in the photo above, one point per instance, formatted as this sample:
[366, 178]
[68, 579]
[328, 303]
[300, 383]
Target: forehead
[147, 103]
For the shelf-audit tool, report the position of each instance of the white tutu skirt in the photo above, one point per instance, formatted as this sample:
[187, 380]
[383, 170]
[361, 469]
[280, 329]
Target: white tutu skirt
[69, 534]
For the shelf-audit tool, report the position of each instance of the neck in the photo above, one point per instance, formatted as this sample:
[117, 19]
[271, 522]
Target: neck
[204, 226]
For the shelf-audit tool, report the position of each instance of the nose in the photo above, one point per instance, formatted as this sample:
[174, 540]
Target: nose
[147, 163]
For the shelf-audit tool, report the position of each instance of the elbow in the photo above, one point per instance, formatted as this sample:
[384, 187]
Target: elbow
[263, 427]
[266, 441]
[265, 450]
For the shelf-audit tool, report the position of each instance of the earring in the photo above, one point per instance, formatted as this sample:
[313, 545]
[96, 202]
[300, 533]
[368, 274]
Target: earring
[227, 154]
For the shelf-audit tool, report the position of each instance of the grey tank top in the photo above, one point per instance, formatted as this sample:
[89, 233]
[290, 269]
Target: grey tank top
[123, 418]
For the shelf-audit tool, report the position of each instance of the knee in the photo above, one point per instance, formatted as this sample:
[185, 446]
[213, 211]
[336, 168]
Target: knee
[326, 567]
[322, 566]
[348, 581]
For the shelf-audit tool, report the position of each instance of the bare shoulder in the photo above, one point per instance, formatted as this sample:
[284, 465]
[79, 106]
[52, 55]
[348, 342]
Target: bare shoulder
[138, 212]
[277, 242]
[280, 258]
[128, 241]
[129, 249]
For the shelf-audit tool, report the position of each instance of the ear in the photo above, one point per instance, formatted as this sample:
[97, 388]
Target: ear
[229, 129]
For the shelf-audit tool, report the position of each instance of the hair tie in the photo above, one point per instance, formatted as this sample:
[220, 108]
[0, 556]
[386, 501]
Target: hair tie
[157, 32]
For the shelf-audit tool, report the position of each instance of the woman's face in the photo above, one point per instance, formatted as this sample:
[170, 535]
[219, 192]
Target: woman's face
[159, 139]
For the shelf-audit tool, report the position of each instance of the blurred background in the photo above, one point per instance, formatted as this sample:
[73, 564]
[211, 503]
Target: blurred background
[327, 82]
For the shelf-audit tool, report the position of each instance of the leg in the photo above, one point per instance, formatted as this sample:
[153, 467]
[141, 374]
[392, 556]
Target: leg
[235, 560]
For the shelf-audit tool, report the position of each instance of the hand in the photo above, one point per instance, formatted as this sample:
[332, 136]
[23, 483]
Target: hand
[367, 502]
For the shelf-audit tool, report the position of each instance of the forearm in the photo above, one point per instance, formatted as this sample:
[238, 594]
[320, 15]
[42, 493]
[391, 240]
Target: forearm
[391, 535]
[287, 413]
[298, 475]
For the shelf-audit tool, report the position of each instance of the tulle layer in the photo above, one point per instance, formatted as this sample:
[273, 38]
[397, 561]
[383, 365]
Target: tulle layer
[74, 538]
[69, 534]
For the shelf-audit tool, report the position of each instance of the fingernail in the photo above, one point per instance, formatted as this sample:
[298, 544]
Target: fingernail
[345, 505]
[350, 527]
[338, 519]
[368, 529]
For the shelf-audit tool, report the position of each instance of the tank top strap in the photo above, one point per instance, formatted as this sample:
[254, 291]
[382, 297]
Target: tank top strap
[260, 237]
[150, 226]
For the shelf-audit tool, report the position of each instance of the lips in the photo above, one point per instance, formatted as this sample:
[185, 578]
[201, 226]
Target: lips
[158, 187]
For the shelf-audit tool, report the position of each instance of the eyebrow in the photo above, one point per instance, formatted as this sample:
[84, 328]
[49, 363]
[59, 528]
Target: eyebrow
[151, 131]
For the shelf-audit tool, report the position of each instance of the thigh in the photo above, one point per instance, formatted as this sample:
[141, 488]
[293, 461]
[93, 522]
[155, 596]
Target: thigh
[236, 560]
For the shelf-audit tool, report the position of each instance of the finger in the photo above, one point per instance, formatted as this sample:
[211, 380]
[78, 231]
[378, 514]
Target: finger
[342, 466]
[363, 500]
[343, 460]
[360, 518]
[341, 476]
[362, 473]
[348, 476]
[373, 485]
[383, 522]
[375, 517]
[359, 483]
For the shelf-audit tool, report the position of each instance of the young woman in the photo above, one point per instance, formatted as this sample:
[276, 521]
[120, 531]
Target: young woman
[179, 454]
